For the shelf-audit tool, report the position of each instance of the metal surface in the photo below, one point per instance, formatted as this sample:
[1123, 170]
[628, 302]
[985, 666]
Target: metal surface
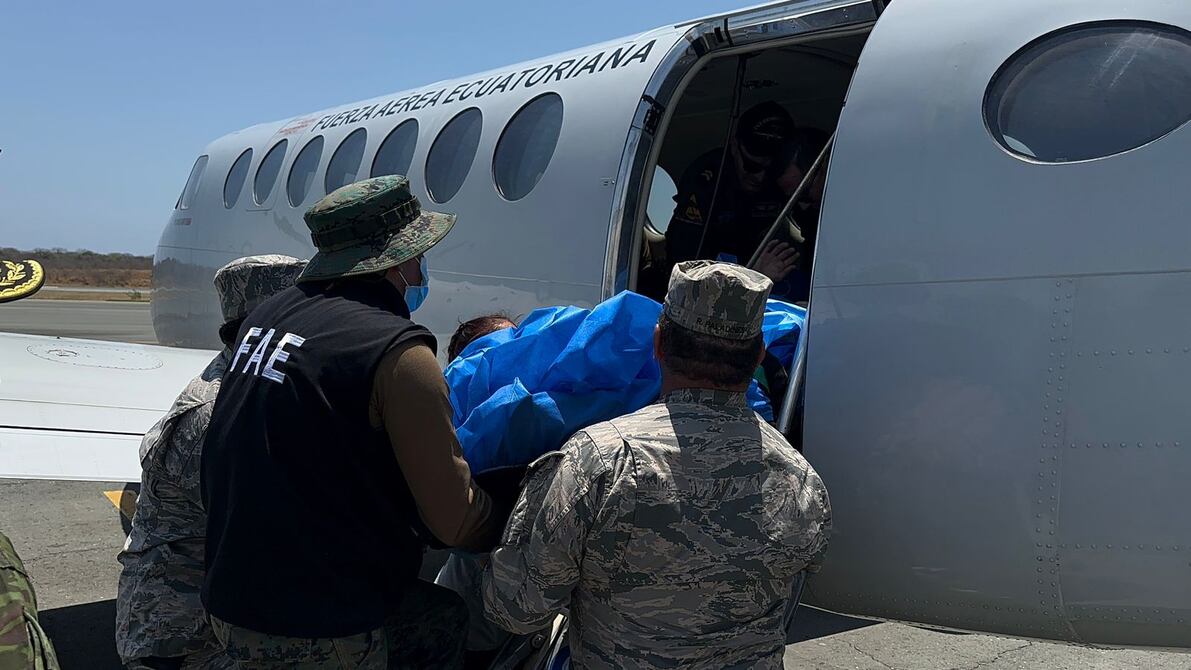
[483, 266]
[997, 360]
[76, 409]
[785, 416]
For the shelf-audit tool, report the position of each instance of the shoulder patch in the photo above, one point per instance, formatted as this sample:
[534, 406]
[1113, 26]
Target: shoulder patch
[20, 279]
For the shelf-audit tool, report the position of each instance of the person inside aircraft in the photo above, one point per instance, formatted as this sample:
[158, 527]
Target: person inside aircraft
[791, 250]
[725, 217]
[473, 329]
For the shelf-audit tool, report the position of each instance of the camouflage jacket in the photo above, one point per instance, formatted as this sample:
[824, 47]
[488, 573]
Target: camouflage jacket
[158, 611]
[673, 536]
[23, 644]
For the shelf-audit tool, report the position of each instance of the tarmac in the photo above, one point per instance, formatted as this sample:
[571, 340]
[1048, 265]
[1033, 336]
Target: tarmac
[69, 534]
[88, 319]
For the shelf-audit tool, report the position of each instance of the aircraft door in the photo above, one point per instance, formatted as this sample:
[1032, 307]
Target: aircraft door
[995, 344]
[748, 31]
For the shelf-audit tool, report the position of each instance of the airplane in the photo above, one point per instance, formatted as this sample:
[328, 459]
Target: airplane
[997, 360]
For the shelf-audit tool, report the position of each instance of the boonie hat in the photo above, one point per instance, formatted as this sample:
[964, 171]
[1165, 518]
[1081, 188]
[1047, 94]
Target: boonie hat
[370, 226]
[247, 282]
[717, 299]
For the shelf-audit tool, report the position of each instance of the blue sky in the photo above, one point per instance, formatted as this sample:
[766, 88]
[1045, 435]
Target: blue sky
[105, 105]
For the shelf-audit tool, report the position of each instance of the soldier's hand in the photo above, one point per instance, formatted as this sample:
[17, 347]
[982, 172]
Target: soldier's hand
[777, 260]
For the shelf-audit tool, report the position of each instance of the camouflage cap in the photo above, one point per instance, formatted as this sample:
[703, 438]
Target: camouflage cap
[369, 226]
[718, 299]
[247, 282]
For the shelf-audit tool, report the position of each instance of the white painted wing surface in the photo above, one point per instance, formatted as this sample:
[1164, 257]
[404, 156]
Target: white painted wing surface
[77, 409]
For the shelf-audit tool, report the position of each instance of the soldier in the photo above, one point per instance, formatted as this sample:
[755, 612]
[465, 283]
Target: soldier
[160, 622]
[331, 456]
[23, 644]
[672, 534]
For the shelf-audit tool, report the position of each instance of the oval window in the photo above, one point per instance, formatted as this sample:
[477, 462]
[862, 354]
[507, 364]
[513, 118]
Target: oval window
[301, 173]
[452, 154]
[192, 182]
[396, 153]
[1091, 91]
[266, 173]
[660, 207]
[236, 178]
[526, 146]
[345, 163]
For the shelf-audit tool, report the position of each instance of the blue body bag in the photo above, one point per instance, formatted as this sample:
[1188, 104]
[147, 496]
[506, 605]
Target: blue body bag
[521, 392]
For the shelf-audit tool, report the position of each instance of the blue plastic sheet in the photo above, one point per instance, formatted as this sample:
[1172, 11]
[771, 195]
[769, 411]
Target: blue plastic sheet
[521, 392]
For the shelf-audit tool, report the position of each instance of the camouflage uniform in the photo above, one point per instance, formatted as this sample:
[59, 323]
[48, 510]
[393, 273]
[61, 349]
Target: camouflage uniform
[423, 632]
[673, 534]
[23, 644]
[158, 611]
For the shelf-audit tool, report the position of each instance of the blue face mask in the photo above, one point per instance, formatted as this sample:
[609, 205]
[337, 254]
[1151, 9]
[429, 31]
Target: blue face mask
[416, 295]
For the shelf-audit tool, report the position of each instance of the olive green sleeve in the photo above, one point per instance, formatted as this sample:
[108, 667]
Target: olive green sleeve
[411, 403]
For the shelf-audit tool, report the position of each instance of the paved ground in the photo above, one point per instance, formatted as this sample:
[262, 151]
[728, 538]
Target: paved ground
[69, 534]
[97, 320]
[97, 289]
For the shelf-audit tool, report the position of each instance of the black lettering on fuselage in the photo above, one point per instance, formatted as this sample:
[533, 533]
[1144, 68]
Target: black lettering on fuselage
[620, 54]
[557, 74]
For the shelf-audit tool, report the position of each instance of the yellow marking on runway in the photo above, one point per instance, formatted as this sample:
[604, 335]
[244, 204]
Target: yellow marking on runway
[125, 501]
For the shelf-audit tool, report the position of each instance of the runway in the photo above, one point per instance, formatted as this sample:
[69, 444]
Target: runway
[69, 534]
[88, 319]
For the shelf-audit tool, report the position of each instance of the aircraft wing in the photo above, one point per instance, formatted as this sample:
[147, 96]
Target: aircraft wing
[77, 409]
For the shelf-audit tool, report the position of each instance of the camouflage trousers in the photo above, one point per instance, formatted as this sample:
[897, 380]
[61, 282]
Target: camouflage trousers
[23, 644]
[427, 631]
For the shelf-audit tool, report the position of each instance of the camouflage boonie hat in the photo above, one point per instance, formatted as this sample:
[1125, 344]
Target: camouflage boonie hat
[717, 299]
[247, 282]
[370, 226]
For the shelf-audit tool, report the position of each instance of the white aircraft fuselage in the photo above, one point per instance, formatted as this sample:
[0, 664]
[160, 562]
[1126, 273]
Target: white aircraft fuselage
[998, 361]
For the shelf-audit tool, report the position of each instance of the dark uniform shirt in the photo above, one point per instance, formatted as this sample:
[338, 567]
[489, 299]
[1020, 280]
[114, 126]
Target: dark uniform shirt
[735, 226]
[311, 528]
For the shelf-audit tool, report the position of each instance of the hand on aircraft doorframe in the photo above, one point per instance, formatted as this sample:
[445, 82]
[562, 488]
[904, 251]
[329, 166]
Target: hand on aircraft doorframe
[777, 260]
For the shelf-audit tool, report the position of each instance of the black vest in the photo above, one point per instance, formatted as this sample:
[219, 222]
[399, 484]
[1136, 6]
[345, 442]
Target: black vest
[309, 528]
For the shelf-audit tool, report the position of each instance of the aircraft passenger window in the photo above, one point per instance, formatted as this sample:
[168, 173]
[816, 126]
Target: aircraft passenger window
[660, 208]
[301, 173]
[236, 178]
[1091, 91]
[266, 173]
[397, 151]
[192, 182]
[451, 155]
[526, 146]
[345, 162]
